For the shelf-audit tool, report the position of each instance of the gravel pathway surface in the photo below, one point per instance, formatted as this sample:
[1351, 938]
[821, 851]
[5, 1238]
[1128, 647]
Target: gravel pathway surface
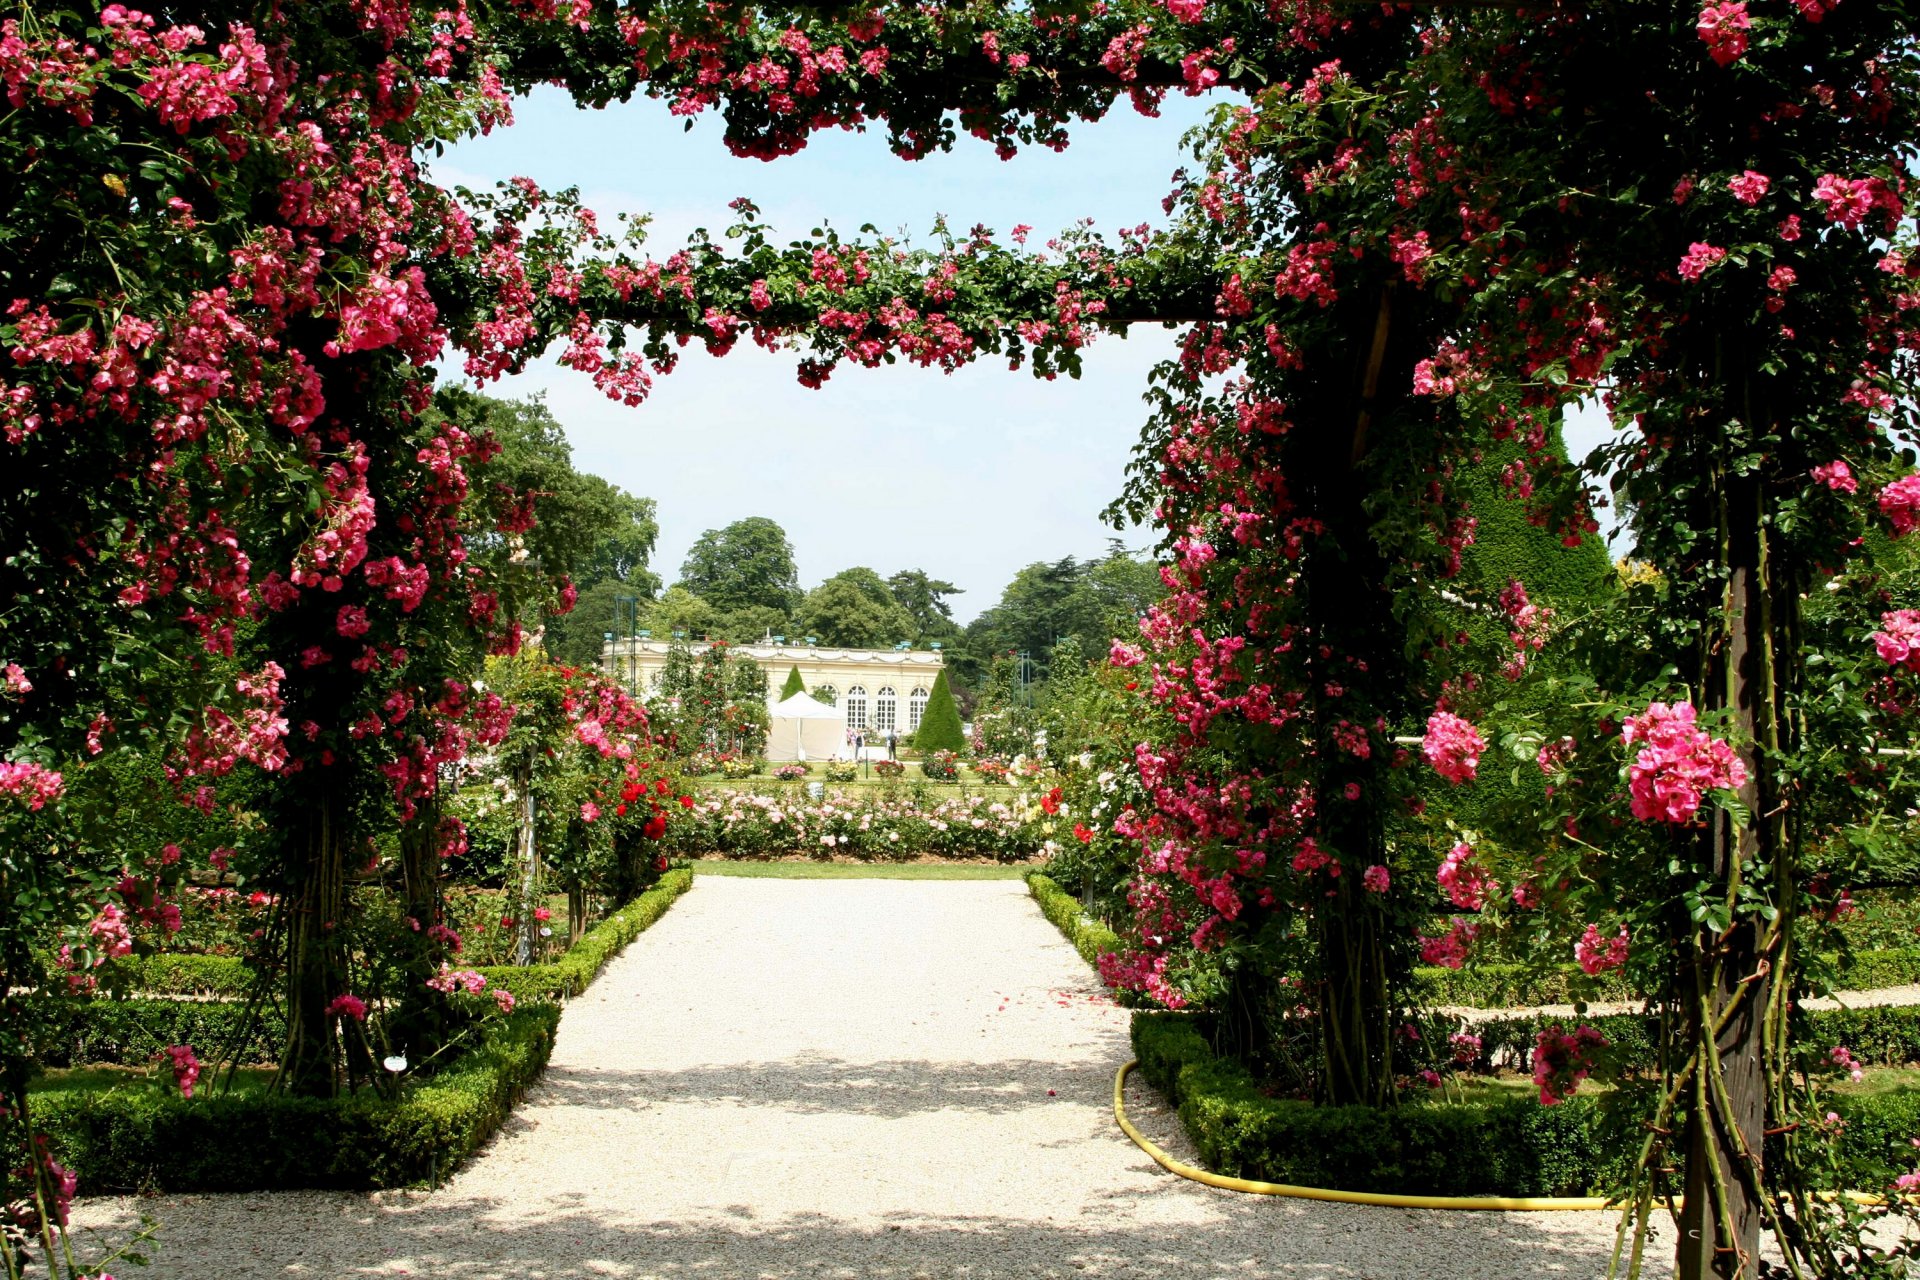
[828, 1079]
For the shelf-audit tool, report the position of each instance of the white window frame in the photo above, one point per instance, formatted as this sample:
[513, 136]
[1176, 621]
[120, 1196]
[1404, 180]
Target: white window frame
[857, 707]
[916, 709]
[886, 710]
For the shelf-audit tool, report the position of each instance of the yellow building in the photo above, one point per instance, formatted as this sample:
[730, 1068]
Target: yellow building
[876, 690]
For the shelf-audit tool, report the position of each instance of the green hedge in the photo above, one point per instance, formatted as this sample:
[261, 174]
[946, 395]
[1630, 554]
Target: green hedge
[1887, 967]
[1494, 986]
[1088, 936]
[1499, 1146]
[186, 975]
[67, 1031]
[571, 973]
[1887, 1035]
[140, 1137]
[1502, 1146]
[230, 976]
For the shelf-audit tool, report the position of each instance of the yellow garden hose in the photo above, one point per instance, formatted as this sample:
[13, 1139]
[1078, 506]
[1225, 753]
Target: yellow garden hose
[1527, 1204]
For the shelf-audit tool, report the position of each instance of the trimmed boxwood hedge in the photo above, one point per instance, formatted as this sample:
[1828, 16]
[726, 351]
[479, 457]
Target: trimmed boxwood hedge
[1502, 1146]
[187, 975]
[139, 1137]
[1497, 1146]
[229, 976]
[1088, 936]
[1495, 986]
[1885, 1035]
[1498, 986]
[67, 1031]
[571, 973]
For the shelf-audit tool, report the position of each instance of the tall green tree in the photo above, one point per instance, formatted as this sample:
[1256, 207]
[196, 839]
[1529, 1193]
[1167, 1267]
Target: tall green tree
[925, 600]
[793, 685]
[855, 609]
[1092, 601]
[747, 564]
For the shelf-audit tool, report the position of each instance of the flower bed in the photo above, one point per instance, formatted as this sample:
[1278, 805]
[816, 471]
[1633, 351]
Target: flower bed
[869, 824]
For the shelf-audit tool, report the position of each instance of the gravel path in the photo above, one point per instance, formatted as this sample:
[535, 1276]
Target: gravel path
[828, 1079]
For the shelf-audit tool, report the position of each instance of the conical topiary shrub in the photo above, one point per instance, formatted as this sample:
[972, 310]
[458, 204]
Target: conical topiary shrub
[940, 724]
[793, 685]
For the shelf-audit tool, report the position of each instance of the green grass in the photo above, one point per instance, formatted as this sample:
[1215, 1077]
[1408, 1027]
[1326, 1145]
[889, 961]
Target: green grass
[859, 870]
[1882, 1080]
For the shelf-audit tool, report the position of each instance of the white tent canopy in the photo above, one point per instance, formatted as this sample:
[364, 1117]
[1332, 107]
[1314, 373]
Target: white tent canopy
[810, 728]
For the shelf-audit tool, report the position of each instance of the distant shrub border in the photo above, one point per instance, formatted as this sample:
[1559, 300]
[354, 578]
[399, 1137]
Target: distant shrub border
[571, 973]
[141, 1138]
[568, 976]
[67, 1031]
[1088, 936]
[1494, 986]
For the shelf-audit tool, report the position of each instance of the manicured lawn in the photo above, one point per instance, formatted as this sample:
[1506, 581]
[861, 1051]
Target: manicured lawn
[862, 870]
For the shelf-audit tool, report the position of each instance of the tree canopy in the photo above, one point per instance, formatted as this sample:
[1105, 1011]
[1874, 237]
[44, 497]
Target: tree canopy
[747, 565]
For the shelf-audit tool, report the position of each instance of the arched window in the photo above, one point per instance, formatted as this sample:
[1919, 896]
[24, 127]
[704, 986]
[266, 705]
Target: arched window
[916, 708]
[884, 704]
[857, 707]
[826, 693]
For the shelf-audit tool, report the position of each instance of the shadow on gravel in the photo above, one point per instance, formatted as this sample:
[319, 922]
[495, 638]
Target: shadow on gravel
[814, 1085]
[489, 1240]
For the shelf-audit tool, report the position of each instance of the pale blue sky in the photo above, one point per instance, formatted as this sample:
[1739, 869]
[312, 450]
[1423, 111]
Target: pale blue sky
[968, 476]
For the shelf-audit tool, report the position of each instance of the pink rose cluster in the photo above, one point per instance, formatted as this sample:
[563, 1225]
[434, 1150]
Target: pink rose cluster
[30, 784]
[1677, 764]
[1900, 504]
[1898, 640]
[1596, 953]
[1562, 1059]
[1465, 884]
[1449, 950]
[186, 1067]
[1724, 29]
[1453, 747]
[1836, 475]
[347, 1006]
[1699, 257]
